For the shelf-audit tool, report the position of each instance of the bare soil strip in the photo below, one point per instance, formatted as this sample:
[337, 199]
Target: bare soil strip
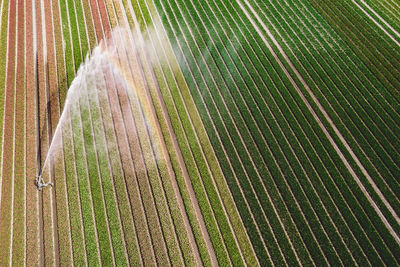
[322, 110]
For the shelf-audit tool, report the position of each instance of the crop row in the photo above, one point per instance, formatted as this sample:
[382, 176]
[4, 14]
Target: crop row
[357, 37]
[381, 15]
[213, 37]
[82, 143]
[6, 200]
[157, 216]
[378, 228]
[240, 172]
[211, 135]
[107, 206]
[387, 10]
[32, 196]
[389, 179]
[207, 184]
[167, 182]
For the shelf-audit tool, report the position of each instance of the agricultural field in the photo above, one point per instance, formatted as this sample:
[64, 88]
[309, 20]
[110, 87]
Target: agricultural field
[200, 133]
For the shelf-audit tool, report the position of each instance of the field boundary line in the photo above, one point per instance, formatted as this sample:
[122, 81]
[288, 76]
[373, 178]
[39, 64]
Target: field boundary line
[322, 110]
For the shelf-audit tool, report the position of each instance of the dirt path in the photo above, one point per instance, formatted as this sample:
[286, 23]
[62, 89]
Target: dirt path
[326, 116]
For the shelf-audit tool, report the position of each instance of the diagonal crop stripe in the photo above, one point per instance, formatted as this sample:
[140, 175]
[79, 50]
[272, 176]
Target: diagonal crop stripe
[199, 133]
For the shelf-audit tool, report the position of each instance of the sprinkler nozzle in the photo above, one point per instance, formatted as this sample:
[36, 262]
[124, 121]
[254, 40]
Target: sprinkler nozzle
[40, 183]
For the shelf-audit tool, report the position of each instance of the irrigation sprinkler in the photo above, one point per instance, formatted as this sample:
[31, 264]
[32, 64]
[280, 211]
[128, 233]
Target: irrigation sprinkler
[40, 182]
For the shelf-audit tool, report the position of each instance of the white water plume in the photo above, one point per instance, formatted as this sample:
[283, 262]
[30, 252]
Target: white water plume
[107, 97]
